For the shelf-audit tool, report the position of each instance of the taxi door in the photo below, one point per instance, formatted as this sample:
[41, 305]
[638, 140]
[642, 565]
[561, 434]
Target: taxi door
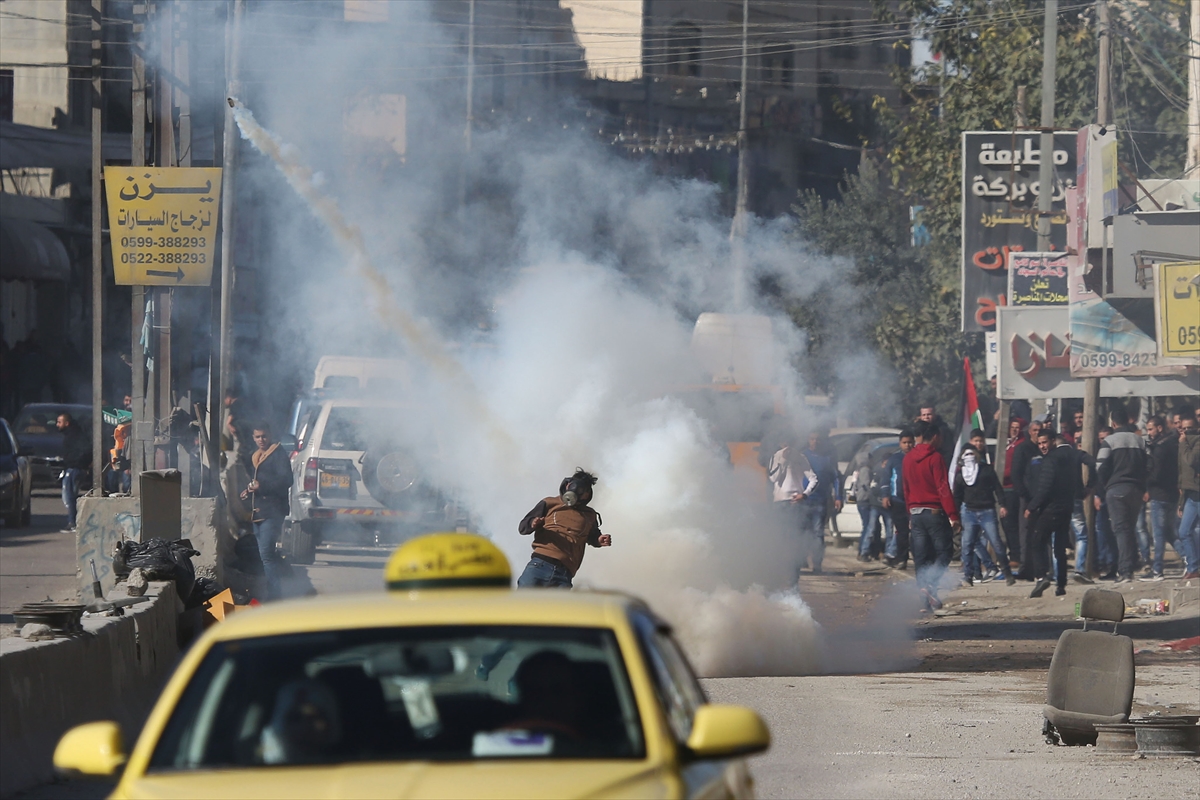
[679, 695]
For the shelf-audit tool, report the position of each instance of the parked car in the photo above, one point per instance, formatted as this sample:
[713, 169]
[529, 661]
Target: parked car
[37, 431]
[16, 480]
[872, 451]
[349, 469]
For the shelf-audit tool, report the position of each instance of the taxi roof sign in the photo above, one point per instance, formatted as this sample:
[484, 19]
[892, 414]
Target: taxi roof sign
[447, 561]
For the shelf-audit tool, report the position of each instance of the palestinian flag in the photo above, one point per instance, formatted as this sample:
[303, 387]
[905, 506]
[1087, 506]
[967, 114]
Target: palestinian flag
[969, 417]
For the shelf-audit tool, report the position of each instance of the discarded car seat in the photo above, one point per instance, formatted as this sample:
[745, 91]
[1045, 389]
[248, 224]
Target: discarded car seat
[1091, 674]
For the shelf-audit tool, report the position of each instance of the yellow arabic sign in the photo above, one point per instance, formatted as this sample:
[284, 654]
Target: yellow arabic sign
[163, 224]
[1178, 289]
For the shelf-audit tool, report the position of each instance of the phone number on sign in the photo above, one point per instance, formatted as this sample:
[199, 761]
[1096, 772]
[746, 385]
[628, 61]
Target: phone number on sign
[163, 258]
[1101, 360]
[164, 241]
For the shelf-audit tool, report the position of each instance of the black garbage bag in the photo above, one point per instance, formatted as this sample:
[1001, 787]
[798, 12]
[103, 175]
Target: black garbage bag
[160, 560]
[204, 589]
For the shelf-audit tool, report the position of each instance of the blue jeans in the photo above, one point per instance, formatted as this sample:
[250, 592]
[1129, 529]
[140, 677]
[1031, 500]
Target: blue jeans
[874, 519]
[897, 542]
[932, 545]
[70, 494]
[811, 515]
[543, 574]
[978, 526]
[1106, 544]
[1079, 528]
[1143, 537]
[1189, 533]
[1162, 523]
[266, 533]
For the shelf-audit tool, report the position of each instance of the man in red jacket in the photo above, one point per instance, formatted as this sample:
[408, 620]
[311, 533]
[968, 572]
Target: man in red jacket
[933, 517]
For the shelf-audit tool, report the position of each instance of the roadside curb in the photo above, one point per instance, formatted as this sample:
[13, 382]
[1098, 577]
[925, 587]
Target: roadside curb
[113, 670]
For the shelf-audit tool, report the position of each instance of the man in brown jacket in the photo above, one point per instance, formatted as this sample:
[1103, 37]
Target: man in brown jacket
[561, 526]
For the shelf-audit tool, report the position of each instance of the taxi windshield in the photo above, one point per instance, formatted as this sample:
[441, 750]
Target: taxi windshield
[400, 694]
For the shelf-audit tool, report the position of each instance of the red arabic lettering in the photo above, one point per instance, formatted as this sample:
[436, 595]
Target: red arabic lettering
[985, 314]
[1039, 352]
[994, 259]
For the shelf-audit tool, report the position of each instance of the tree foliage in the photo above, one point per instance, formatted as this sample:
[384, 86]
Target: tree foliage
[987, 49]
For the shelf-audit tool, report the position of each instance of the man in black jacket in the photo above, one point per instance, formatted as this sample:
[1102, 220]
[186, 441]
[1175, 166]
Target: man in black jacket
[269, 491]
[1021, 456]
[1122, 475]
[1049, 512]
[77, 458]
[1162, 489]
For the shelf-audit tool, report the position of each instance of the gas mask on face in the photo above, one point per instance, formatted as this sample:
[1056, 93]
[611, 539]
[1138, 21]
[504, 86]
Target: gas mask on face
[574, 489]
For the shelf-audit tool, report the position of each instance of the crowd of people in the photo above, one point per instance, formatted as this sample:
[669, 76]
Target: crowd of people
[1026, 524]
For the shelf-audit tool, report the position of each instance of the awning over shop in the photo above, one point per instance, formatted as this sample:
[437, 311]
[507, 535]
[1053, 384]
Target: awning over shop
[29, 251]
[28, 146]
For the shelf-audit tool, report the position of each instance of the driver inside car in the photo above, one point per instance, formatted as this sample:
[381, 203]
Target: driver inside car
[550, 697]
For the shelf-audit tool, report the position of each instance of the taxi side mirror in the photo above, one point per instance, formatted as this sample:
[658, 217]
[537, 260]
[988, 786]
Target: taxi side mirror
[96, 749]
[727, 731]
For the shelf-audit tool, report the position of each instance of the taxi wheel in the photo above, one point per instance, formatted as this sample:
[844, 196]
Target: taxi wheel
[302, 544]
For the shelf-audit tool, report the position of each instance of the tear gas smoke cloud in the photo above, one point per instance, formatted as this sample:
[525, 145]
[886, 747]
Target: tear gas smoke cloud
[593, 269]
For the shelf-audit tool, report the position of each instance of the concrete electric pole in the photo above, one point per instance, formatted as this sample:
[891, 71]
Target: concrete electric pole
[97, 253]
[1046, 161]
[233, 88]
[1193, 142]
[737, 234]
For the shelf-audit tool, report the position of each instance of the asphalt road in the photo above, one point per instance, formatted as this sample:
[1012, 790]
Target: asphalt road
[38, 562]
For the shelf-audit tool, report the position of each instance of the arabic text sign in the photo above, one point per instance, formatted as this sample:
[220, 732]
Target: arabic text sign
[1178, 290]
[999, 194]
[1036, 351]
[1037, 279]
[163, 224]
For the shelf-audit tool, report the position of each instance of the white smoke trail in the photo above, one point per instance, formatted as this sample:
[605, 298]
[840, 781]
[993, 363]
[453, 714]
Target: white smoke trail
[579, 365]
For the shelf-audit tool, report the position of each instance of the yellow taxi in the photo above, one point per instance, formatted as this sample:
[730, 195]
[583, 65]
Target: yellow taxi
[449, 684]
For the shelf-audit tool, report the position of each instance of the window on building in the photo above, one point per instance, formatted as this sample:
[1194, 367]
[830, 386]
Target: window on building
[683, 50]
[6, 95]
[778, 64]
[840, 34]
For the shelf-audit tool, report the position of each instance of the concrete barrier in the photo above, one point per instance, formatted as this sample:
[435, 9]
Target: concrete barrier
[104, 521]
[114, 670]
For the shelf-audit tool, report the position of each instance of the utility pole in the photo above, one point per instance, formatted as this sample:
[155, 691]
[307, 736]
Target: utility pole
[1046, 160]
[737, 234]
[166, 157]
[462, 173]
[137, 460]
[97, 253]
[1193, 142]
[1091, 386]
[233, 88]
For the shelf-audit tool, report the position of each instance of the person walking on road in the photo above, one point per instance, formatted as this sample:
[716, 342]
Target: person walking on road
[1189, 492]
[268, 494]
[562, 528]
[825, 499]
[792, 482]
[1123, 481]
[1011, 520]
[1054, 486]
[977, 494]
[1162, 491]
[895, 554]
[77, 459]
[1022, 455]
[933, 517]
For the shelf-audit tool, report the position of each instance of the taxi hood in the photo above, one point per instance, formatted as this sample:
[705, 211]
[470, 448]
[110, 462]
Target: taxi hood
[481, 779]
